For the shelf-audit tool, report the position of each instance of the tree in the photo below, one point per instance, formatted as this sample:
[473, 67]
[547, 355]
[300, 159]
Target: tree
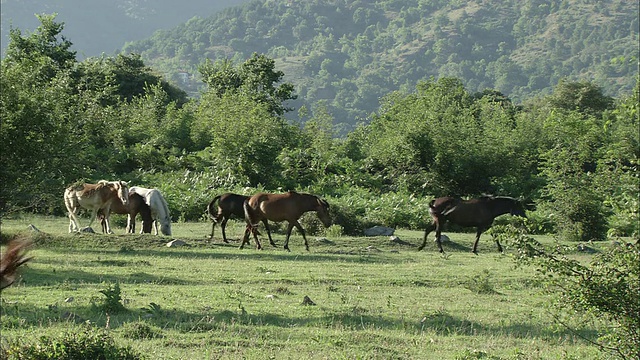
[43, 42]
[256, 77]
[244, 135]
[584, 97]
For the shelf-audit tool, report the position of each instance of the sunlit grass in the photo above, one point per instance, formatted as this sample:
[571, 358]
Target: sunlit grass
[374, 298]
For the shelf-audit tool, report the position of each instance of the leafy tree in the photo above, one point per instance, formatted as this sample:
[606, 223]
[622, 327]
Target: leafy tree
[584, 97]
[45, 41]
[256, 77]
[243, 134]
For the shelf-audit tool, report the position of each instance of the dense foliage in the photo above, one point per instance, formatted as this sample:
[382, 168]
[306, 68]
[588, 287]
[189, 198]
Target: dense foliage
[351, 53]
[113, 118]
[603, 291]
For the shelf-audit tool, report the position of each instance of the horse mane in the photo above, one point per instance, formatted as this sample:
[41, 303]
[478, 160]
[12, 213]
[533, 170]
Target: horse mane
[165, 207]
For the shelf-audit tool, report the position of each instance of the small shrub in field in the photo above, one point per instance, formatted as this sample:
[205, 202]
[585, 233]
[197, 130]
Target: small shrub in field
[481, 283]
[140, 331]
[89, 344]
[112, 301]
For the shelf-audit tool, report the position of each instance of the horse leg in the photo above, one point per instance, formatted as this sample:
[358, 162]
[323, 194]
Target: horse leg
[498, 243]
[73, 221]
[131, 223]
[94, 214]
[155, 225]
[106, 220]
[426, 233]
[254, 230]
[223, 225]
[480, 230]
[266, 225]
[299, 227]
[286, 240]
[245, 237]
[439, 225]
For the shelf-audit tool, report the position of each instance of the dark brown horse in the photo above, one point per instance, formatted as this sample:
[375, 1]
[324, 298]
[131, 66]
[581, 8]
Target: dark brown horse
[135, 206]
[280, 207]
[229, 204]
[478, 213]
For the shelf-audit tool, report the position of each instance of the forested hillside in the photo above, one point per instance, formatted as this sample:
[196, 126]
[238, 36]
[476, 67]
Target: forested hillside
[350, 53]
[98, 26]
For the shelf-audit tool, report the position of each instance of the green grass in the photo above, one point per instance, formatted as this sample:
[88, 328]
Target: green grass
[375, 299]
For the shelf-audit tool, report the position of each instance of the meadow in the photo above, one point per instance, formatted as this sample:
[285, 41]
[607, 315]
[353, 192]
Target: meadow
[368, 297]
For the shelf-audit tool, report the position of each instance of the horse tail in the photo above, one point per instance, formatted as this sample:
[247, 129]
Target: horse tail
[249, 214]
[210, 210]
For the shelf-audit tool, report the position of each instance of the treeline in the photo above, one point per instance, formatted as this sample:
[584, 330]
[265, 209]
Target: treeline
[351, 53]
[572, 155]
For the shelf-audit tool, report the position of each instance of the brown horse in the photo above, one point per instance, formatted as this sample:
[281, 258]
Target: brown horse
[478, 213]
[94, 197]
[12, 258]
[229, 204]
[280, 207]
[136, 206]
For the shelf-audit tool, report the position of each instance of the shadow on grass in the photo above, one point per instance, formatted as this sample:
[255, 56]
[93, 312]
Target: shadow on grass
[356, 319]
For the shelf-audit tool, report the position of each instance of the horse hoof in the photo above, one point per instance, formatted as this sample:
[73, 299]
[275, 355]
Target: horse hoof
[420, 248]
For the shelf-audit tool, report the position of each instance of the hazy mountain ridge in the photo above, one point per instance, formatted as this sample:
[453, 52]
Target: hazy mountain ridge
[96, 27]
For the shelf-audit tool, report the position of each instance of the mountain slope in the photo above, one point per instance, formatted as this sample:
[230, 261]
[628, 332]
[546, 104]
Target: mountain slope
[350, 53]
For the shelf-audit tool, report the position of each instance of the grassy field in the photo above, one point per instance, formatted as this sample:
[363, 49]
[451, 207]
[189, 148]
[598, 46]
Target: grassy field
[374, 298]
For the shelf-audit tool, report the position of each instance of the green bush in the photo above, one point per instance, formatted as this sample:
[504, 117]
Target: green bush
[605, 290]
[88, 344]
[140, 331]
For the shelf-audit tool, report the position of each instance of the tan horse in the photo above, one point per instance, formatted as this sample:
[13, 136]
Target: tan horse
[94, 197]
[280, 207]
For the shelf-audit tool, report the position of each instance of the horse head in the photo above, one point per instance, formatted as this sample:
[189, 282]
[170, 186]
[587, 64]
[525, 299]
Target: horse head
[165, 226]
[123, 191]
[323, 212]
[517, 209]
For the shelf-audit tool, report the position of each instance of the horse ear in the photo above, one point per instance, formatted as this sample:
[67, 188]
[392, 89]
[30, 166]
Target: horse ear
[323, 202]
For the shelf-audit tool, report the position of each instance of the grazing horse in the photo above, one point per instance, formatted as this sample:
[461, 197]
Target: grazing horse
[136, 206]
[229, 204]
[477, 213]
[159, 208]
[94, 197]
[279, 207]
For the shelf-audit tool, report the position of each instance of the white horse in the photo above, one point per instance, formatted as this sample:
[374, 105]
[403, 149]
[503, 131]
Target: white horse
[94, 197]
[159, 208]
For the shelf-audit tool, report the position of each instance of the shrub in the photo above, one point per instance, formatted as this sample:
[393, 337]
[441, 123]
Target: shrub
[140, 331]
[88, 344]
[606, 289]
[111, 303]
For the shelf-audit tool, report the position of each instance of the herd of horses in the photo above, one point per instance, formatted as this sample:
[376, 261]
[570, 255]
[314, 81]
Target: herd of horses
[108, 197]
